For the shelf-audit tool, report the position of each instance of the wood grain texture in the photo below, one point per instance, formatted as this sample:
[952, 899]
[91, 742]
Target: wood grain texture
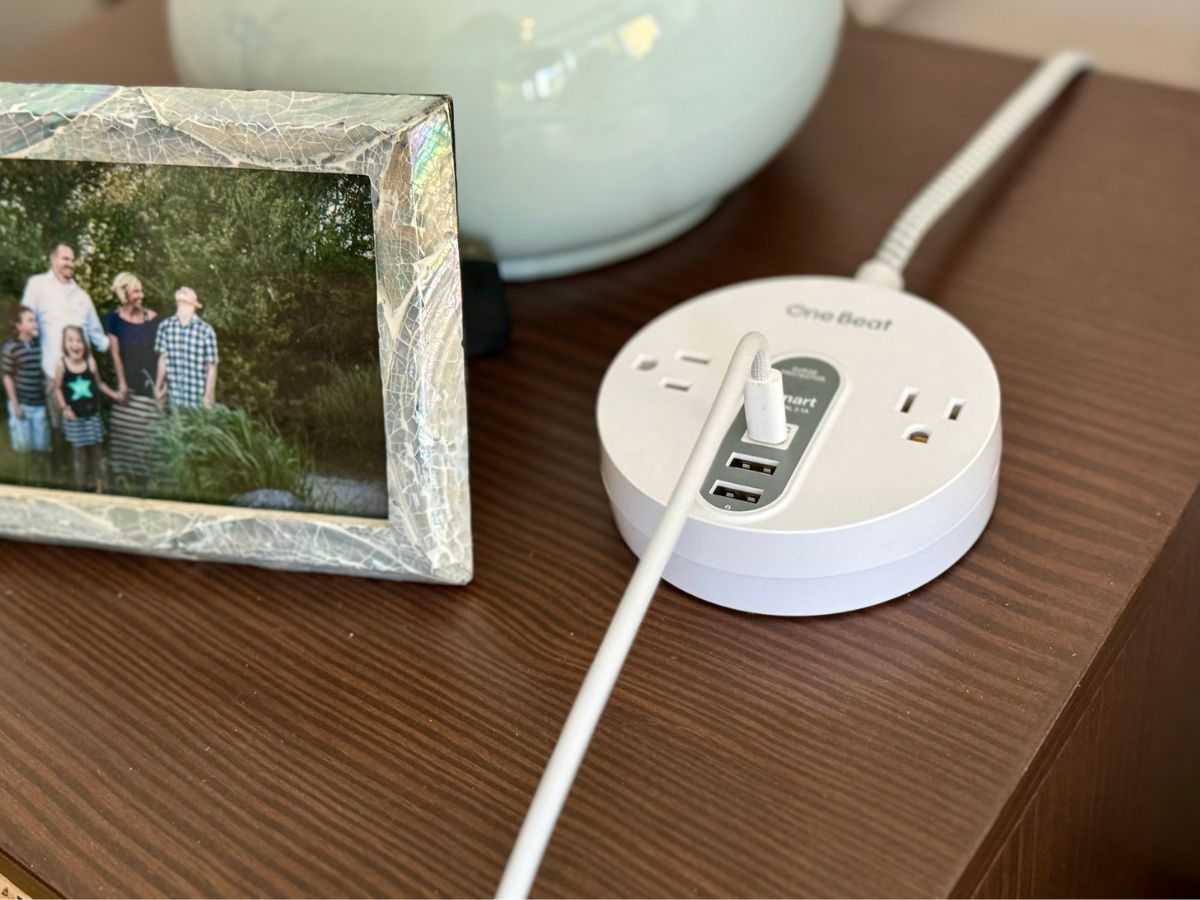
[175, 728]
[1116, 815]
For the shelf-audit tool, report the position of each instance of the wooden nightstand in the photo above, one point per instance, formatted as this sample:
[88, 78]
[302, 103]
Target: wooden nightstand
[1027, 724]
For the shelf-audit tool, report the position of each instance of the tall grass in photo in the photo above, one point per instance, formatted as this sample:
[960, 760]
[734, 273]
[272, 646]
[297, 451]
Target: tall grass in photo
[346, 420]
[214, 455]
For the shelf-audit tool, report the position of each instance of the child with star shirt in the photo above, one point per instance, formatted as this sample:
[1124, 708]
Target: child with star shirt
[78, 387]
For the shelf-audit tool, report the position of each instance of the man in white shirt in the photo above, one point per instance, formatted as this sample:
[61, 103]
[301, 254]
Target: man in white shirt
[58, 301]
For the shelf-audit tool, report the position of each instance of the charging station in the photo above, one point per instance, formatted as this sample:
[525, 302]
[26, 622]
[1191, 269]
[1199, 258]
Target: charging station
[890, 469]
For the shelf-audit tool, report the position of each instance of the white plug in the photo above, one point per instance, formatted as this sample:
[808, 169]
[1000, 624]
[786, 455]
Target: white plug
[762, 398]
[886, 475]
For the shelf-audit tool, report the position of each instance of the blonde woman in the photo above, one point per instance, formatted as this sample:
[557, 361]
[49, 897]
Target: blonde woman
[132, 330]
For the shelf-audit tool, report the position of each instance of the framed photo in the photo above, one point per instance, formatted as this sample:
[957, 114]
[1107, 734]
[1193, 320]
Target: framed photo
[232, 328]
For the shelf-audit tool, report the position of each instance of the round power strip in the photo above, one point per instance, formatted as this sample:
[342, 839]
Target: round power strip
[889, 472]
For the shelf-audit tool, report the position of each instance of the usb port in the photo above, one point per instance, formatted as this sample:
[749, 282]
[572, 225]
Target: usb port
[736, 492]
[748, 463]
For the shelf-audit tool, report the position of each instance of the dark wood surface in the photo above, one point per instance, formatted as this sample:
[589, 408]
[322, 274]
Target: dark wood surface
[1116, 813]
[175, 728]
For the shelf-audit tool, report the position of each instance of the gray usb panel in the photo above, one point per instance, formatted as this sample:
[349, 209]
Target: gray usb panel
[746, 475]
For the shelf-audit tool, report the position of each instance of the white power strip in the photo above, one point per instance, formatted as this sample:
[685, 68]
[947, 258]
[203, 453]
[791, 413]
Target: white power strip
[886, 473]
[891, 471]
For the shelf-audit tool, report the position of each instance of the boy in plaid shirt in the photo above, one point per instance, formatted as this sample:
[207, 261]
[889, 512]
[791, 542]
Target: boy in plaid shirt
[187, 364]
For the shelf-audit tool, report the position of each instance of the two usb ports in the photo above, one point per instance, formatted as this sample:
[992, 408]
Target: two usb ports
[742, 462]
[745, 475]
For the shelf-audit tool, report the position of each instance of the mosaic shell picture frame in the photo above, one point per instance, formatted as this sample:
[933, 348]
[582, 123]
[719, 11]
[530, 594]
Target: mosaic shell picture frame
[404, 146]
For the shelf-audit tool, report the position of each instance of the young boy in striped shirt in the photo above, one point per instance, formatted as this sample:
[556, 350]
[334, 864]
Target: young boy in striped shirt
[24, 385]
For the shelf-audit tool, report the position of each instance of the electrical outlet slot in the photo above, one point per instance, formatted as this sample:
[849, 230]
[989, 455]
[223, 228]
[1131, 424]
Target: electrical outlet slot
[918, 434]
[787, 441]
[955, 409]
[749, 463]
[907, 399]
[676, 384]
[735, 492]
[692, 356]
[644, 363]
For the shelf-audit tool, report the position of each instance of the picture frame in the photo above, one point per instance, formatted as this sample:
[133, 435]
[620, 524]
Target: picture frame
[404, 145]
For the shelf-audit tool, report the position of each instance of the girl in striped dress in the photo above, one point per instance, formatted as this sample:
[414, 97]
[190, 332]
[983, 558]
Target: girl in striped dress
[78, 387]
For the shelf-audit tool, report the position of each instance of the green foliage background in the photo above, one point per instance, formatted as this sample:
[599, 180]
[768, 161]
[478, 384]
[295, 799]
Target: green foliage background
[283, 262]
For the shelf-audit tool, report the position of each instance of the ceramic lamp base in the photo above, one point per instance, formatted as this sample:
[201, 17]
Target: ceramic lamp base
[567, 262]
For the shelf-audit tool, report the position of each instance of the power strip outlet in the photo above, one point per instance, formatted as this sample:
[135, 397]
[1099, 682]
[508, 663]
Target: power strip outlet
[891, 465]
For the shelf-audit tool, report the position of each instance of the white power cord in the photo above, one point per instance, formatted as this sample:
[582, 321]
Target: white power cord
[606, 667]
[969, 164]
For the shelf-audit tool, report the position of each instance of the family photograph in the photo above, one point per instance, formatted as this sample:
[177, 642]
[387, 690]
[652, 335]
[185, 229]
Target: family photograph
[191, 333]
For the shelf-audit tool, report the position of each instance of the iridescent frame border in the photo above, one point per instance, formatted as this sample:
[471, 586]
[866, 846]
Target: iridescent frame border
[404, 145]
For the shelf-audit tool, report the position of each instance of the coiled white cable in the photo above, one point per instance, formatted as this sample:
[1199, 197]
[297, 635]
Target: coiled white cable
[969, 164]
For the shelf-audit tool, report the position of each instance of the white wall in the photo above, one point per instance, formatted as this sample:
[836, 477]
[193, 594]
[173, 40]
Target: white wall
[1158, 40]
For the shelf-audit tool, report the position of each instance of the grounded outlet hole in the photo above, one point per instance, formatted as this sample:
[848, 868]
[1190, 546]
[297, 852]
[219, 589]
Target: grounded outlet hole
[920, 435]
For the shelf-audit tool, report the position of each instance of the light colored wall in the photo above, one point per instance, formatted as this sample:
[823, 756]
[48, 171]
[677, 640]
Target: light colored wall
[22, 21]
[1158, 40]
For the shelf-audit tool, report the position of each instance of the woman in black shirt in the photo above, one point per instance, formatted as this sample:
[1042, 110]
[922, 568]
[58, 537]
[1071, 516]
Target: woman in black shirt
[131, 329]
